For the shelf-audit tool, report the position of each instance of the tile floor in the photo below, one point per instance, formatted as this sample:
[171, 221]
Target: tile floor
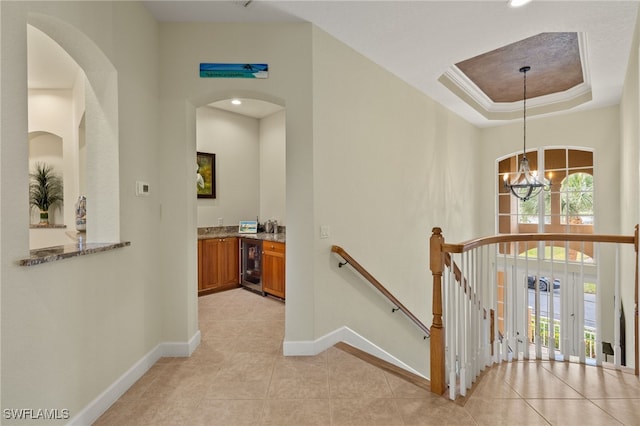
[238, 376]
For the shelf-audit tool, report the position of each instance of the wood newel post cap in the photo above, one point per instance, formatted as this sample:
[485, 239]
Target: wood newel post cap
[436, 251]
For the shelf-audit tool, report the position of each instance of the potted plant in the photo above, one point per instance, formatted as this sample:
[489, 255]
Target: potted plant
[45, 190]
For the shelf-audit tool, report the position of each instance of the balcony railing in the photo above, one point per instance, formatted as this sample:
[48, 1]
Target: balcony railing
[521, 286]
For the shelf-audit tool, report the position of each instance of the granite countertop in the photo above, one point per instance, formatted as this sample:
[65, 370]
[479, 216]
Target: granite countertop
[232, 231]
[53, 254]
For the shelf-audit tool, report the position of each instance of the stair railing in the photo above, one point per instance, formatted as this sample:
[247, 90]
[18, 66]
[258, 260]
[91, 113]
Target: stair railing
[465, 288]
[375, 283]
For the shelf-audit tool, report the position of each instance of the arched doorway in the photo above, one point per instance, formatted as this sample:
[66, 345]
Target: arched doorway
[246, 137]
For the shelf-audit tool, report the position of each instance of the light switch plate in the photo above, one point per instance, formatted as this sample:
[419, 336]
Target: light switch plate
[142, 189]
[324, 231]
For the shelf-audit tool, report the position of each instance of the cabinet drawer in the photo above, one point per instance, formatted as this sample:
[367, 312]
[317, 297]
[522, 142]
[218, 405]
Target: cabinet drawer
[272, 246]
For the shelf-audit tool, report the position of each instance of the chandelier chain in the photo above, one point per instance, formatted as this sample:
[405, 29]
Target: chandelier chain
[525, 185]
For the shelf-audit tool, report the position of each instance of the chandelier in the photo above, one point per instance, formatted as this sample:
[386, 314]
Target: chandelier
[525, 184]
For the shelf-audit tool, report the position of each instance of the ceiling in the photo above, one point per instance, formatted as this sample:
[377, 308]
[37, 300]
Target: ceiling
[421, 41]
[556, 80]
[250, 107]
[558, 67]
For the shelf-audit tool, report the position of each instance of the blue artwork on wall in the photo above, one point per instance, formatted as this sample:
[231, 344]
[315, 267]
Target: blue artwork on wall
[217, 70]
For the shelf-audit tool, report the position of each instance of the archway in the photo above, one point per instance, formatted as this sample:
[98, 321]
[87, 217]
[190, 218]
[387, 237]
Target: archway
[248, 138]
[99, 95]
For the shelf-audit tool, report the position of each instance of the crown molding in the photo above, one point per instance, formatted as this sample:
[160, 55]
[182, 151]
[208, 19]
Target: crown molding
[463, 87]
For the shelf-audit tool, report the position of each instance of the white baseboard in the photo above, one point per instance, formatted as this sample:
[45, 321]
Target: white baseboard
[180, 349]
[346, 335]
[102, 402]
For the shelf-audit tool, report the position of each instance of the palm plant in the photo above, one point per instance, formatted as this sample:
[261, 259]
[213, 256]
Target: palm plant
[578, 195]
[528, 210]
[45, 190]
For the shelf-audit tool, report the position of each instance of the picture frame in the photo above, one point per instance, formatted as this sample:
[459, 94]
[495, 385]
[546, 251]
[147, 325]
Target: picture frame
[206, 175]
[248, 227]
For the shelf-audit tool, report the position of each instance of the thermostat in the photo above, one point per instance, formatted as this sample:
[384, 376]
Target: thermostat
[142, 189]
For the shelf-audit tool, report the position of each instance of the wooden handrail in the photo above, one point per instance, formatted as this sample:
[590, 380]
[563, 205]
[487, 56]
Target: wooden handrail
[512, 238]
[362, 271]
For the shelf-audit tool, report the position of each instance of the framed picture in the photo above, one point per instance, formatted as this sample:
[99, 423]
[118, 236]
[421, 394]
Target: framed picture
[206, 175]
[248, 227]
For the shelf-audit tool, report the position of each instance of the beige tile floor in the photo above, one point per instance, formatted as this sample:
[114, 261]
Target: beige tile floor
[238, 376]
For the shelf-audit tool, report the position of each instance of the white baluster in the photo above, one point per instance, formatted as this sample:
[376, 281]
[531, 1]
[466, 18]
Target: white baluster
[453, 326]
[580, 311]
[617, 349]
[463, 323]
[551, 344]
[565, 314]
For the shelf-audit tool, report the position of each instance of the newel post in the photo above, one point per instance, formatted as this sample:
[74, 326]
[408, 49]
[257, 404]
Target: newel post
[437, 341]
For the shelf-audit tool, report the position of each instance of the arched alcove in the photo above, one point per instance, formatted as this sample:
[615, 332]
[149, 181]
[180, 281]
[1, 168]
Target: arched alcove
[97, 125]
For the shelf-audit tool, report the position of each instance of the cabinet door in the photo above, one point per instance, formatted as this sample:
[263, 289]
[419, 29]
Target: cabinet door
[199, 265]
[228, 262]
[273, 272]
[218, 263]
[209, 256]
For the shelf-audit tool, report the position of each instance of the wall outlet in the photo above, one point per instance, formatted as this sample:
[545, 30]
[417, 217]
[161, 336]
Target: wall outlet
[324, 231]
[220, 221]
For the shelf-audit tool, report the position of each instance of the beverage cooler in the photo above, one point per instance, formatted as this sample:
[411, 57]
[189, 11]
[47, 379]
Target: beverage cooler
[251, 265]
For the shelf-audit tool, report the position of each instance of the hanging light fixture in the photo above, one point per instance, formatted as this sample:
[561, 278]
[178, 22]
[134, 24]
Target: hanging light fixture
[525, 183]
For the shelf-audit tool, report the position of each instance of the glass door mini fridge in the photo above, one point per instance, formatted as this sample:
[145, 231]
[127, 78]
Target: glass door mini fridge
[251, 265]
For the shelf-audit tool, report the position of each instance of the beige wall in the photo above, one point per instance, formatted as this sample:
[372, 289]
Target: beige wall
[389, 165]
[273, 168]
[629, 175]
[235, 139]
[71, 328]
[250, 166]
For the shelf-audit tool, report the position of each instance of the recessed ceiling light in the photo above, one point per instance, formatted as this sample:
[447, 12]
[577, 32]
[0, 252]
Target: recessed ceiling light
[518, 3]
[236, 101]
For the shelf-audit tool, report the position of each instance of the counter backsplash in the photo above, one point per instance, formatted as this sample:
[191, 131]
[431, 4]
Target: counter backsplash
[217, 230]
[227, 230]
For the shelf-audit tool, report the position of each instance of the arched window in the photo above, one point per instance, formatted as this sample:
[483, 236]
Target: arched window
[568, 206]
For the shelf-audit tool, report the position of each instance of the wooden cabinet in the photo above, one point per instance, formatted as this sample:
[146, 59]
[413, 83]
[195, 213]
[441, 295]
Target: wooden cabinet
[273, 268]
[218, 265]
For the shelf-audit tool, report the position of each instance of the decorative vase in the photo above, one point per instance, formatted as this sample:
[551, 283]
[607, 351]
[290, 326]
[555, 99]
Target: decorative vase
[81, 214]
[44, 217]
